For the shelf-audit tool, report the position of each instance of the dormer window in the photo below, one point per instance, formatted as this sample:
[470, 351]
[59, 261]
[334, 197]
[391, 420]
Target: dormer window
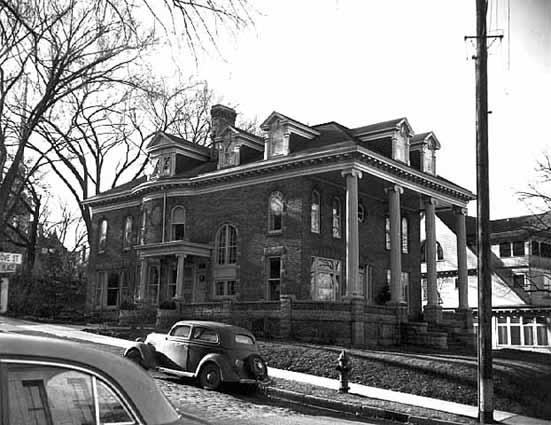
[278, 141]
[278, 129]
[162, 166]
[423, 152]
[228, 155]
[400, 144]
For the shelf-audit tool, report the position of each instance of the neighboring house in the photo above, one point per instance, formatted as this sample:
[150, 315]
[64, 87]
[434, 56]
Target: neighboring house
[311, 231]
[521, 277]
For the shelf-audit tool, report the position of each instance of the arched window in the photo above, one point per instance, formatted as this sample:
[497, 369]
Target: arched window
[226, 245]
[102, 242]
[127, 241]
[405, 236]
[336, 209]
[178, 223]
[275, 214]
[315, 212]
[439, 252]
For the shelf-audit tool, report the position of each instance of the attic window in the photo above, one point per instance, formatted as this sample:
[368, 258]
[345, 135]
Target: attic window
[278, 140]
[400, 148]
[228, 155]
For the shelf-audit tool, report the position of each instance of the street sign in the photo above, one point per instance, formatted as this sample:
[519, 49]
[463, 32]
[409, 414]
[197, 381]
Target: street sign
[8, 267]
[10, 258]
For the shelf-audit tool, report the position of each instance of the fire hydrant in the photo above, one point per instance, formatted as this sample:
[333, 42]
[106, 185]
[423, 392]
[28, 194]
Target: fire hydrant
[343, 367]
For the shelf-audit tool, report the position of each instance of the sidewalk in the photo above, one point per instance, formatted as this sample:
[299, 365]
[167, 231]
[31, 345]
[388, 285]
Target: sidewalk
[73, 331]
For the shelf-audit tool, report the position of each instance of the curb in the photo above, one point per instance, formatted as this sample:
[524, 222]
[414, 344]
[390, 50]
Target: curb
[353, 409]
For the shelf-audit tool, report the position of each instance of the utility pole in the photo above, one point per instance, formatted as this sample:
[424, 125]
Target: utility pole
[485, 379]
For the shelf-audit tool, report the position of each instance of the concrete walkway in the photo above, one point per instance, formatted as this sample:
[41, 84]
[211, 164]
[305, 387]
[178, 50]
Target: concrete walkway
[73, 331]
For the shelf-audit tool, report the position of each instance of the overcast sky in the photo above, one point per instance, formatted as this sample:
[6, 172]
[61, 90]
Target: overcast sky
[360, 62]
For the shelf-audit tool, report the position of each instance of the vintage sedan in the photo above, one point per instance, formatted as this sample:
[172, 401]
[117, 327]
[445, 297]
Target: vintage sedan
[210, 352]
[51, 381]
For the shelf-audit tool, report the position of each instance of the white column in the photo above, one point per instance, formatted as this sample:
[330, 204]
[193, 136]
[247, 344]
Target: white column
[462, 272]
[180, 277]
[430, 252]
[394, 193]
[352, 236]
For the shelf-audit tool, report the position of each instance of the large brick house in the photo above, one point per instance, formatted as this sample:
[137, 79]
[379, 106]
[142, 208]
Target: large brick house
[305, 229]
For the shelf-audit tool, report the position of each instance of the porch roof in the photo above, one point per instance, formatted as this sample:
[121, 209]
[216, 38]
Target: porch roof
[173, 248]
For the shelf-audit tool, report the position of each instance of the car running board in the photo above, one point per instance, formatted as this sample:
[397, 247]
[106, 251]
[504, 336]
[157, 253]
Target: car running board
[176, 372]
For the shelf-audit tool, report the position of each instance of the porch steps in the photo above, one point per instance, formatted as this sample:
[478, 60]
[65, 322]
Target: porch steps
[459, 338]
[418, 333]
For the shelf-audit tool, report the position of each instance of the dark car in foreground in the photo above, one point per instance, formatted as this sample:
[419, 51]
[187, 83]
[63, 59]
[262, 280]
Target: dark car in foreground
[210, 352]
[46, 381]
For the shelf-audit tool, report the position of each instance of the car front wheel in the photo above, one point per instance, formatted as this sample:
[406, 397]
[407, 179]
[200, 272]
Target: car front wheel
[210, 378]
[136, 357]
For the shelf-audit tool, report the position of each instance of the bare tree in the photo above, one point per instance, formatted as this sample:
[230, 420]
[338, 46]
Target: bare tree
[49, 50]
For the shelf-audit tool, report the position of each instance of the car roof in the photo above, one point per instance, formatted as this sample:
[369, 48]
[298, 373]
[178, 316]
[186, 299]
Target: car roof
[218, 325]
[138, 385]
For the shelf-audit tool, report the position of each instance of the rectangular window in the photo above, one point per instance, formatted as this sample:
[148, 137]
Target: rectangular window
[518, 248]
[502, 331]
[171, 284]
[528, 330]
[224, 288]
[366, 283]
[153, 284]
[505, 249]
[515, 330]
[541, 331]
[535, 248]
[387, 232]
[113, 289]
[274, 278]
[100, 284]
[519, 280]
[405, 236]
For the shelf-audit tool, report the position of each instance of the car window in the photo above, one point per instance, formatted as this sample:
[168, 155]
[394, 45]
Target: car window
[243, 339]
[181, 331]
[204, 334]
[50, 395]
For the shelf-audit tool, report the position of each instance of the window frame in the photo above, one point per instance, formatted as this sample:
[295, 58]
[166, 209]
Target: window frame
[404, 235]
[226, 284]
[230, 250]
[174, 223]
[127, 232]
[273, 279]
[275, 227]
[102, 239]
[315, 212]
[336, 217]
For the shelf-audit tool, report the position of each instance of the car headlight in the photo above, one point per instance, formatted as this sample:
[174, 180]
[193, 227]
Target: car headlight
[239, 363]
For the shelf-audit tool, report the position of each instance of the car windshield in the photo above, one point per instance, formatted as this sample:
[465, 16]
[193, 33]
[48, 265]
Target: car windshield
[244, 339]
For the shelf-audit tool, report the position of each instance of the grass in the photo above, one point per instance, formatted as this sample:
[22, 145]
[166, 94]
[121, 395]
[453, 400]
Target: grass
[522, 380]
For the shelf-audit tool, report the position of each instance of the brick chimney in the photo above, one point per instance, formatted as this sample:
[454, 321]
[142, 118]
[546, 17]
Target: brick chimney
[221, 117]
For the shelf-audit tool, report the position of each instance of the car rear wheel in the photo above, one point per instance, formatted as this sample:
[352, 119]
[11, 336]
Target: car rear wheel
[210, 377]
[136, 357]
[257, 367]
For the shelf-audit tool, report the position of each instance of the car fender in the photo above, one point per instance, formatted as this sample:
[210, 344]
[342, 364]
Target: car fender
[227, 372]
[148, 353]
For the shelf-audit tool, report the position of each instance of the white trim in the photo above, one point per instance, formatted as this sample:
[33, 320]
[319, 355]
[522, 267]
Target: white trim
[106, 208]
[286, 160]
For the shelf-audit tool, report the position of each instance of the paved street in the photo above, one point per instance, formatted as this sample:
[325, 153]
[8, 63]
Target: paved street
[231, 406]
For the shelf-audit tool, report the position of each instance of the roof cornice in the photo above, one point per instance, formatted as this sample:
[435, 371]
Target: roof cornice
[303, 163]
